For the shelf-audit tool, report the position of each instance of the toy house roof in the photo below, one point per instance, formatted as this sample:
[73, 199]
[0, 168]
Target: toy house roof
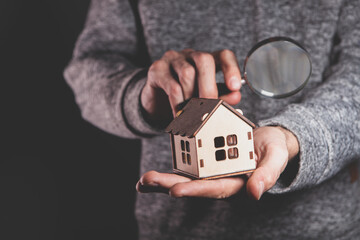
[190, 120]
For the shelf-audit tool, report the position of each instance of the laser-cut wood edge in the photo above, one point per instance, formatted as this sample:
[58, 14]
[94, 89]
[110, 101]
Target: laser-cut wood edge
[185, 174]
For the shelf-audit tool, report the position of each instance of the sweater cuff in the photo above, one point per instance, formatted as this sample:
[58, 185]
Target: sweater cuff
[314, 156]
[132, 109]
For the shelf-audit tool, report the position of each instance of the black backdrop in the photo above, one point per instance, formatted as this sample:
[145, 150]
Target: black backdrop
[60, 177]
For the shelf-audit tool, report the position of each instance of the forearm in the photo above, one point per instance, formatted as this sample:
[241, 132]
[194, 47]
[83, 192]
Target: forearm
[327, 132]
[104, 73]
[108, 102]
[326, 122]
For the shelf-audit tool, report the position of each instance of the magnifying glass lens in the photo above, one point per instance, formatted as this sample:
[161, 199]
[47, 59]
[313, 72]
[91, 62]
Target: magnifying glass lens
[277, 67]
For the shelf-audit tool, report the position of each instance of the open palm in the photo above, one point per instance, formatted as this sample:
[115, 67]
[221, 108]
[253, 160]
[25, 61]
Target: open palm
[273, 146]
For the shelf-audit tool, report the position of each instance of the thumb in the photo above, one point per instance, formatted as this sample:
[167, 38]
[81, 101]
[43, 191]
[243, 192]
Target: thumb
[266, 175]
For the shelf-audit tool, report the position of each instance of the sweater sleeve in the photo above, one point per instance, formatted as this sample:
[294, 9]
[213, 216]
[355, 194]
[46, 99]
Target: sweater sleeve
[327, 122]
[105, 72]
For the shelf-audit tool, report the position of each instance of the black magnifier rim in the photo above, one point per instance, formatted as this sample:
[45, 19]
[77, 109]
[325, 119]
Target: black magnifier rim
[277, 39]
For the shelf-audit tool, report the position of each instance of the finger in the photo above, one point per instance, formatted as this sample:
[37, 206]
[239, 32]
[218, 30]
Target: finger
[164, 180]
[186, 73]
[187, 51]
[205, 67]
[160, 71]
[171, 55]
[219, 188]
[267, 173]
[226, 59]
[232, 98]
[150, 189]
[176, 97]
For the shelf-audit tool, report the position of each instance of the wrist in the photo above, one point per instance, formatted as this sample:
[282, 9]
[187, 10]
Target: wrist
[292, 142]
[153, 107]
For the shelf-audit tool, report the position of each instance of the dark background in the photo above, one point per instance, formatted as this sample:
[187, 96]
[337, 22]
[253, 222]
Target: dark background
[60, 177]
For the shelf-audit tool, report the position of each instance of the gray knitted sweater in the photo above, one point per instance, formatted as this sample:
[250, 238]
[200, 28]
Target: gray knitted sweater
[320, 201]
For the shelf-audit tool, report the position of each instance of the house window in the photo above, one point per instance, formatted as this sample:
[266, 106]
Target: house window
[233, 153]
[219, 142]
[231, 141]
[185, 154]
[249, 135]
[199, 143]
[182, 145]
[220, 155]
[188, 158]
[201, 162]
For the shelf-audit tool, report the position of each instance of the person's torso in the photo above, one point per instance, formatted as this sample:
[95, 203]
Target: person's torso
[237, 25]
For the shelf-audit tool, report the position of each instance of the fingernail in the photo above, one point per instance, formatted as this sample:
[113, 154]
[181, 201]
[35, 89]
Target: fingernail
[153, 184]
[261, 189]
[235, 83]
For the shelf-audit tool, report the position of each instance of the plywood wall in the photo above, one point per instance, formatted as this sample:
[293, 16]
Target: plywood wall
[224, 123]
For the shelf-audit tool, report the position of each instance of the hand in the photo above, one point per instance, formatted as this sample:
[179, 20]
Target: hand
[274, 147]
[178, 76]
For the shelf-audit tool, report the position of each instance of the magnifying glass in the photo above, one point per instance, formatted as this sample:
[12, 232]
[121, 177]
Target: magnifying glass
[276, 67]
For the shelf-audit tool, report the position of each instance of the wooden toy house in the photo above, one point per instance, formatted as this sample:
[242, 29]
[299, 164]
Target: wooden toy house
[210, 139]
